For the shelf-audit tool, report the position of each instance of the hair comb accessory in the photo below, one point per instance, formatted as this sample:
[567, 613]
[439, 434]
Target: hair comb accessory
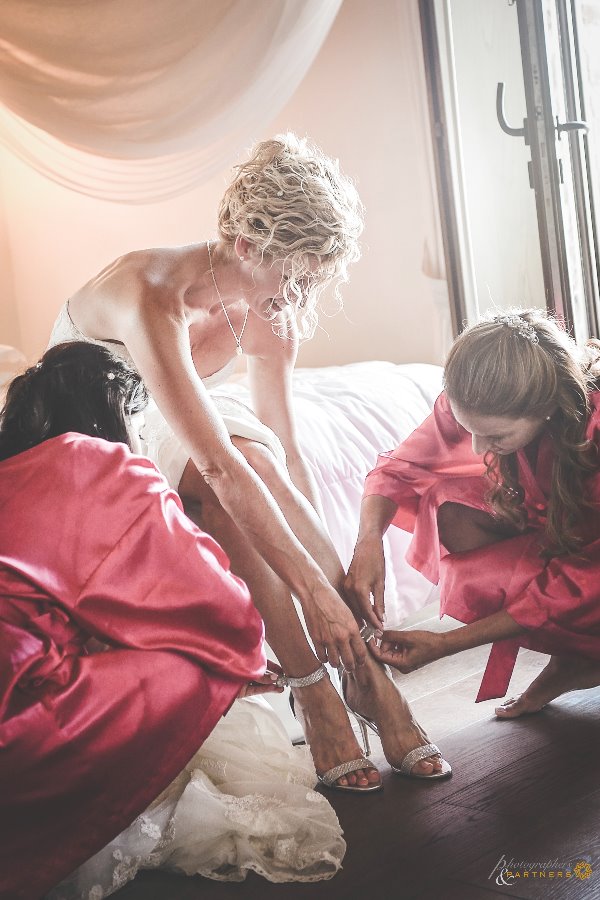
[524, 328]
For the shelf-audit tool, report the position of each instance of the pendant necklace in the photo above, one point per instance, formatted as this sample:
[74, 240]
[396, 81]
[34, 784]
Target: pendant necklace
[238, 340]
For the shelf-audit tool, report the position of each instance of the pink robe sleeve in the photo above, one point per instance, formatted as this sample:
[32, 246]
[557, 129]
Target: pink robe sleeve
[124, 561]
[439, 448]
[167, 586]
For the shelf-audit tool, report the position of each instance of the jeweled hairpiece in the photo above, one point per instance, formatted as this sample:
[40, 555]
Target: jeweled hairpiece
[521, 325]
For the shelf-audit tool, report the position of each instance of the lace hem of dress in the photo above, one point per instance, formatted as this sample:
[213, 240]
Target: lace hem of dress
[244, 803]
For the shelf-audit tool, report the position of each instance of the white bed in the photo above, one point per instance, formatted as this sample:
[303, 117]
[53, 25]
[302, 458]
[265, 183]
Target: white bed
[346, 416]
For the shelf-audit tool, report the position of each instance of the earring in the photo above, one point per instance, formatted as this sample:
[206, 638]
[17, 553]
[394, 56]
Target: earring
[548, 418]
[242, 258]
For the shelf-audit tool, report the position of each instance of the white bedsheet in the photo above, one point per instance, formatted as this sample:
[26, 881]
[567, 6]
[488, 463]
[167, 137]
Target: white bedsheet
[346, 416]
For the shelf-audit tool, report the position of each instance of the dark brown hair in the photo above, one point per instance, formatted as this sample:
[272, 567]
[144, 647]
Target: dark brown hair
[523, 364]
[76, 386]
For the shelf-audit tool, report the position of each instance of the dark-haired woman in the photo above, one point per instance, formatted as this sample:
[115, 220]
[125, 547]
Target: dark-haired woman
[124, 638]
[501, 488]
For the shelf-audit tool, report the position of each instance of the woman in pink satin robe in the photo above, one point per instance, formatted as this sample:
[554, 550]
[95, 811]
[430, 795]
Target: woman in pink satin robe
[500, 487]
[96, 553]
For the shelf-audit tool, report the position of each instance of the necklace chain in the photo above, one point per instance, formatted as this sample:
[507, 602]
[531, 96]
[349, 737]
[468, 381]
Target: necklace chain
[238, 340]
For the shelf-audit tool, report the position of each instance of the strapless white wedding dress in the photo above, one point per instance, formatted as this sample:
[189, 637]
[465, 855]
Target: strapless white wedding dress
[243, 803]
[158, 440]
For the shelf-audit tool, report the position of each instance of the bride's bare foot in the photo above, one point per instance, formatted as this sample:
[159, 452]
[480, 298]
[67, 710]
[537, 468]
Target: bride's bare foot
[371, 693]
[328, 732]
[562, 674]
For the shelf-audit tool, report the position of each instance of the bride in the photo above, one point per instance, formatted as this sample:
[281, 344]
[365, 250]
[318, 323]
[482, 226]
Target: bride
[288, 226]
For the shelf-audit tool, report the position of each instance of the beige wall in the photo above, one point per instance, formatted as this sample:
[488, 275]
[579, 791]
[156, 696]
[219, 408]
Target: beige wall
[10, 332]
[361, 101]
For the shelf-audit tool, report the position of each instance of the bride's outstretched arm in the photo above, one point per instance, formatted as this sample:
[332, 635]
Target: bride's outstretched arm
[159, 344]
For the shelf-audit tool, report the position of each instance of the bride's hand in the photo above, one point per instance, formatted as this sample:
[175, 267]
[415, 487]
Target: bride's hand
[333, 630]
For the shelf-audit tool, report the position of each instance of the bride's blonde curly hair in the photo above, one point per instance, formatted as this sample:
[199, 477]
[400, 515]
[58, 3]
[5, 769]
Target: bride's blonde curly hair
[294, 205]
[522, 364]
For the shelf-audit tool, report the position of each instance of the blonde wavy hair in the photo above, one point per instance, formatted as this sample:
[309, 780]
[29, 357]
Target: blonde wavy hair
[522, 364]
[295, 206]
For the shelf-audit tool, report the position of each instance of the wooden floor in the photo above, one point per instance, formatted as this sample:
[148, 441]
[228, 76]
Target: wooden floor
[526, 790]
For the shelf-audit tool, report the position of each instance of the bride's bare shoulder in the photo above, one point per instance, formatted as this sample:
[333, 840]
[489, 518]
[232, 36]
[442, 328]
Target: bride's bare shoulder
[138, 271]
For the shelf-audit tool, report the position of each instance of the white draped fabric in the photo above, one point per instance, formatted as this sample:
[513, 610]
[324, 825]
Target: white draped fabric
[137, 101]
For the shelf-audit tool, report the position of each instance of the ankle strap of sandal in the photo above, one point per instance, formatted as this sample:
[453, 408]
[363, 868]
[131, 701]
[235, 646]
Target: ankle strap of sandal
[367, 633]
[305, 681]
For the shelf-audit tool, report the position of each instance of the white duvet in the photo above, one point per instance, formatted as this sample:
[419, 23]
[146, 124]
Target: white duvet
[346, 416]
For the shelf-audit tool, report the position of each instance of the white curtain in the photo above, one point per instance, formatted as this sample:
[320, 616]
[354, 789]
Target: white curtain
[139, 100]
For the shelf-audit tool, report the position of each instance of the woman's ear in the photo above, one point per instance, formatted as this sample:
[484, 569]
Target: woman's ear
[244, 248]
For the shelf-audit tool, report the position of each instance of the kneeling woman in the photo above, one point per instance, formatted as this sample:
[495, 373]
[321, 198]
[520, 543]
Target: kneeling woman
[124, 638]
[501, 487]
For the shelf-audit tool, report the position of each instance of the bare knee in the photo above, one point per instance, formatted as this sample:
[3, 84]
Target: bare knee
[450, 520]
[200, 502]
[261, 459]
[463, 528]
[193, 488]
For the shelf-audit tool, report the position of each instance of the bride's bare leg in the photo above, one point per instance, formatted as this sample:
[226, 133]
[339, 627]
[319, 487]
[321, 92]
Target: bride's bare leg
[562, 674]
[298, 512]
[369, 691]
[321, 711]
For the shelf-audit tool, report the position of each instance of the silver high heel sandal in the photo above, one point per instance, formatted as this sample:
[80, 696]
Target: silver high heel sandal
[414, 756]
[329, 778]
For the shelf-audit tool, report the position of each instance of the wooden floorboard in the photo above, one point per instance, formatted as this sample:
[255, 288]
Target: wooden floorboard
[528, 789]
[566, 833]
[451, 889]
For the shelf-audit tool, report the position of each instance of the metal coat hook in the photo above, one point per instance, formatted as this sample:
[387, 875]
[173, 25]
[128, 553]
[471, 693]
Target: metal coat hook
[513, 132]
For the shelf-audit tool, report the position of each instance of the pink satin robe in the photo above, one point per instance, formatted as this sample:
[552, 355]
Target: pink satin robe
[94, 544]
[557, 600]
